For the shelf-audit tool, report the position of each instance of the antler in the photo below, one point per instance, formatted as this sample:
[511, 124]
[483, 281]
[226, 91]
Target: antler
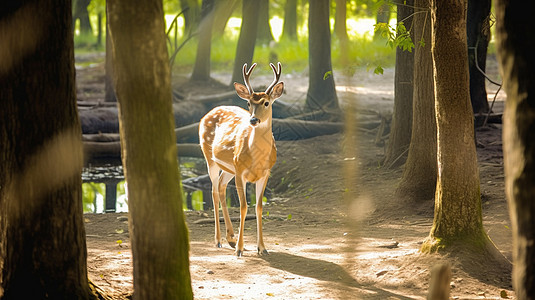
[277, 77]
[246, 75]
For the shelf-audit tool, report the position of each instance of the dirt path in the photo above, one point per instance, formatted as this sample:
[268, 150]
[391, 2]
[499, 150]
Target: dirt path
[322, 246]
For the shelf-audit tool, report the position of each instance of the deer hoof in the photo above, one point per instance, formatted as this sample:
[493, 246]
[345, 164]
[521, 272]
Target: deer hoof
[218, 245]
[262, 252]
[239, 253]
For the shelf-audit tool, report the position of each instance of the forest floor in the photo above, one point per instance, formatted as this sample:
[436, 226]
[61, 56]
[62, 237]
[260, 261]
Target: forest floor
[326, 241]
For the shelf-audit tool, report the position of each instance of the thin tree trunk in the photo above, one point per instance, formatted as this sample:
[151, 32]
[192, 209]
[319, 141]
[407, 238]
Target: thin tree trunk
[158, 230]
[289, 27]
[400, 135]
[264, 35]
[420, 173]
[321, 93]
[201, 70]
[247, 39]
[109, 95]
[478, 33]
[42, 236]
[515, 41]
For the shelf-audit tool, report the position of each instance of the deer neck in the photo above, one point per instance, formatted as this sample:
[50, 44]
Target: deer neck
[261, 135]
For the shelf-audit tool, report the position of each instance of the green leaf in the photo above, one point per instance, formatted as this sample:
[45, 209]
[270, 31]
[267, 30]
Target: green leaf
[378, 70]
[327, 74]
[289, 217]
[422, 42]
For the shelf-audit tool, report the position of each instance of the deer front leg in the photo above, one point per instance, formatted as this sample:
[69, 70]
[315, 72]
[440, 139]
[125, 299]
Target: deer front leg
[260, 187]
[224, 179]
[240, 188]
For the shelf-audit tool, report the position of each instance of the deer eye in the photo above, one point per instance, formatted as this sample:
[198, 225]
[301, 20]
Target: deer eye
[248, 104]
[266, 104]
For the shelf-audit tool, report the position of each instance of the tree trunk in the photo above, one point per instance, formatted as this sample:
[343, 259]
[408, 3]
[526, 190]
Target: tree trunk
[289, 27]
[201, 70]
[81, 13]
[42, 236]
[478, 33]
[158, 231]
[247, 39]
[264, 35]
[515, 41]
[420, 173]
[400, 134]
[340, 31]
[192, 15]
[321, 93]
[224, 10]
[457, 199]
[109, 95]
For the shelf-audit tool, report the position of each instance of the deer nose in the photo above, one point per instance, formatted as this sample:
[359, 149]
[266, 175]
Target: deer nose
[254, 121]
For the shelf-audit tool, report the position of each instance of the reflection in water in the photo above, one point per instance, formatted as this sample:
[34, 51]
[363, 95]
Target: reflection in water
[104, 189]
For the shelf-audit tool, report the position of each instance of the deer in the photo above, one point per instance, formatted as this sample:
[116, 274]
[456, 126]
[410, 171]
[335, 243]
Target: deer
[239, 144]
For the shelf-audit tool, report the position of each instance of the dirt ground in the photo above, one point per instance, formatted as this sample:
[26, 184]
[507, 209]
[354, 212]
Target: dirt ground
[327, 241]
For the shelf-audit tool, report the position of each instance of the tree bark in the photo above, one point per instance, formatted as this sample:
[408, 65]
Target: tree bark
[158, 231]
[340, 31]
[420, 173]
[478, 34]
[321, 93]
[515, 42]
[289, 27]
[42, 236]
[458, 216]
[201, 69]
[383, 16]
[401, 128]
[247, 39]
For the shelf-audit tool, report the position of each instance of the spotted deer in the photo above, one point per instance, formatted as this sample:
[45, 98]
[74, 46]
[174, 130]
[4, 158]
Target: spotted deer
[239, 143]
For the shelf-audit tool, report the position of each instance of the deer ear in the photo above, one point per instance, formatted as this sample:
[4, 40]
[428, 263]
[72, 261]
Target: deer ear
[242, 91]
[277, 90]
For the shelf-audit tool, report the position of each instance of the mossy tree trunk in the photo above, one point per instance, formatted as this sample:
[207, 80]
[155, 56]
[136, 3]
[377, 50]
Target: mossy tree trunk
[515, 42]
[42, 236]
[142, 83]
[420, 173]
[400, 135]
[457, 199]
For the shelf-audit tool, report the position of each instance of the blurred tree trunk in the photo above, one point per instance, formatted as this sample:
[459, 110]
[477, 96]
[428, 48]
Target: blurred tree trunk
[264, 35]
[247, 39]
[340, 31]
[109, 95]
[383, 16]
[289, 27]
[458, 218]
[321, 93]
[201, 69]
[81, 13]
[158, 231]
[515, 42]
[223, 12]
[42, 236]
[478, 32]
[400, 134]
[420, 172]
[192, 15]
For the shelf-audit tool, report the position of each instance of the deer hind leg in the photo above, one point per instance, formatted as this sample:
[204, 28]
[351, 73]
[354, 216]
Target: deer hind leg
[260, 187]
[213, 172]
[240, 188]
[224, 179]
